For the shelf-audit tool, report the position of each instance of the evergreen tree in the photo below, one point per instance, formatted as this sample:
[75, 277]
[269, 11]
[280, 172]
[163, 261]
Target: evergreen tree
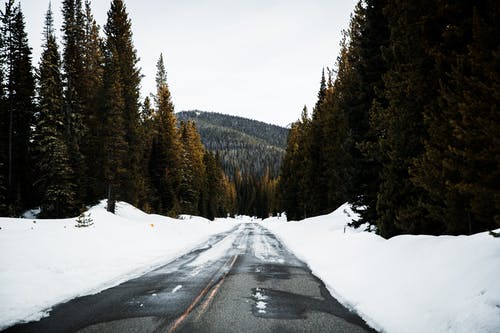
[453, 26]
[219, 194]
[4, 127]
[17, 109]
[91, 82]
[147, 133]
[293, 183]
[52, 154]
[459, 166]
[410, 83]
[193, 169]
[119, 39]
[165, 161]
[210, 193]
[336, 148]
[114, 144]
[368, 44]
[317, 184]
[73, 62]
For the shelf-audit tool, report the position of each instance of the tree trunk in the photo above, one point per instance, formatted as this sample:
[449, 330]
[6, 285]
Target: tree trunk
[111, 200]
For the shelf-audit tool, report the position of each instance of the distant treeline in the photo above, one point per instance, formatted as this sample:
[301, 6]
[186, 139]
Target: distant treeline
[406, 128]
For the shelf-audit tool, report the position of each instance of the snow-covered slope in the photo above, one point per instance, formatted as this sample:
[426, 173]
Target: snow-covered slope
[44, 262]
[404, 284]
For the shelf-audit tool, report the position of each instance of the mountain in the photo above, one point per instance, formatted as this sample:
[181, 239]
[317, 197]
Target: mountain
[243, 144]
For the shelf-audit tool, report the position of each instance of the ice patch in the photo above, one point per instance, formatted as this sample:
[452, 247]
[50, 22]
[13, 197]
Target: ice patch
[261, 306]
[264, 250]
[196, 271]
[216, 251]
[260, 296]
[176, 288]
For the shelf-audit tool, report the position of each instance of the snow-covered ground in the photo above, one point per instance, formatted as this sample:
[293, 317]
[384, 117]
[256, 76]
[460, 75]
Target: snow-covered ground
[404, 284]
[45, 262]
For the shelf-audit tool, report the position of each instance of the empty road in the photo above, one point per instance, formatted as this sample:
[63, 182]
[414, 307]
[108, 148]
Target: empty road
[243, 280]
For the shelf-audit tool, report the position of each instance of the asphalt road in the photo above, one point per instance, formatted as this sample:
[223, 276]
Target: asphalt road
[244, 280]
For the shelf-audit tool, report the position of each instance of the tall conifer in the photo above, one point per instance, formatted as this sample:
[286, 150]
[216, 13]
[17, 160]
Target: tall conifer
[91, 81]
[165, 160]
[459, 167]
[119, 39]
[410, 83]
[54, 171]
[193, 169]
[293, 181]
[317, 185]
[73, 74]
[18, 108]
[370, 67]
[114, 144]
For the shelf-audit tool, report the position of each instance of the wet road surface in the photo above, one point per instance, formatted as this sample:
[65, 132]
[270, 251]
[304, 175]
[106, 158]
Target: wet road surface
[243, 280]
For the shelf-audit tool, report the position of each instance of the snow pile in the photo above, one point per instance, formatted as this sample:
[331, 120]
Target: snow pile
[45, 262]
[404, 284]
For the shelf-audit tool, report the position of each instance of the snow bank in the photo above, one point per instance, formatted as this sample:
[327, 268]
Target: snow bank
[409, 284]
[45, 262]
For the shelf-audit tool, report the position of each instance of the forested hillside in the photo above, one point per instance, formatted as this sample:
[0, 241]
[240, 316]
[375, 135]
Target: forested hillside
[245, 145]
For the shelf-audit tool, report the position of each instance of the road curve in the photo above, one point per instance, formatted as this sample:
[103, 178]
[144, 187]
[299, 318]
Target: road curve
[243, 280]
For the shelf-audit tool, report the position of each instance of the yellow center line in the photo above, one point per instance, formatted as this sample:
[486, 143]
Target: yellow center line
[216, 289]
[200, 295]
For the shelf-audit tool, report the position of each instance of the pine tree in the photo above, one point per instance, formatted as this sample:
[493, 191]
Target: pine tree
[119, 38]
[411, 83]
[336, 147]
[293, 183]
[210, 192]
[4, 127]
[372, 38]
[147, 128]
[470, 100]
[52, 154]
[317, 185]
[218, 194]
[193, 169]
[165, 160]
[91, 82]
[17, 109]
[115, 146]
[74, 90]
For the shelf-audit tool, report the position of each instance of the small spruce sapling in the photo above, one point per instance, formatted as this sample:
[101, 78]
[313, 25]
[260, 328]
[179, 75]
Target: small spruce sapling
[84, 220]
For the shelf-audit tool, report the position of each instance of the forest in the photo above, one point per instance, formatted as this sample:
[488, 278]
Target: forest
[250, 152]
[406, 125]
[74, 129]
[245, 145]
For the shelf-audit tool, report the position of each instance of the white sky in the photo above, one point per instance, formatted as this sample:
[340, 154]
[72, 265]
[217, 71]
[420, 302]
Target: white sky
[259, 59]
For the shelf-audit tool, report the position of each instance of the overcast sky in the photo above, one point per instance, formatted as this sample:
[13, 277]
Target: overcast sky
[259, 59]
